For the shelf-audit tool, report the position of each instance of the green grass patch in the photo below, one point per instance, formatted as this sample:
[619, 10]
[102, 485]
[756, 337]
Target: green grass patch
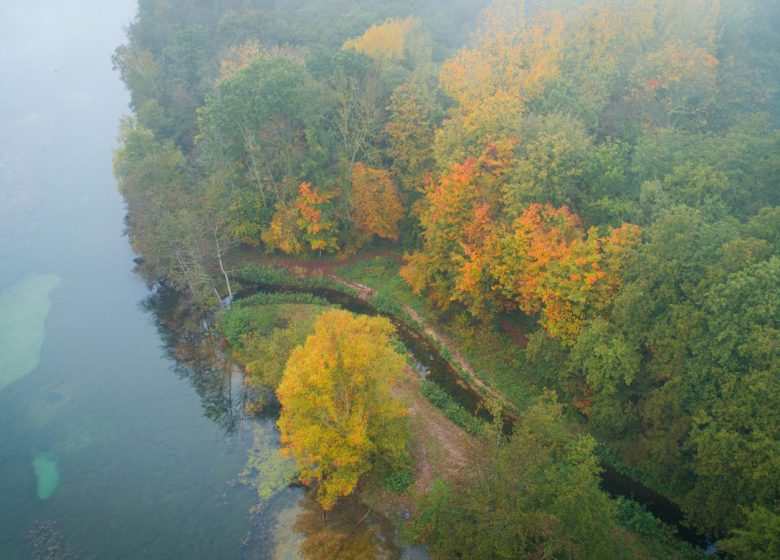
[398, 480]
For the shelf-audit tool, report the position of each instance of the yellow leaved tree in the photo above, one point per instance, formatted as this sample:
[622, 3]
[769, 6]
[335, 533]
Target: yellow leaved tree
[492, 81]
[339, 418]
[384, 42]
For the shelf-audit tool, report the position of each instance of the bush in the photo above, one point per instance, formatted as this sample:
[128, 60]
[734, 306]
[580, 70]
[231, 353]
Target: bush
[398, 481]
[451, 409]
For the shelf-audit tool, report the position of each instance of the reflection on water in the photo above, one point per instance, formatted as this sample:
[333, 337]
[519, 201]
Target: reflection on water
[195, 358]
[293, 527]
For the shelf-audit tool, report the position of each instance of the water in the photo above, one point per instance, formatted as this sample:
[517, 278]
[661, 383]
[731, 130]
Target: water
[109, 448]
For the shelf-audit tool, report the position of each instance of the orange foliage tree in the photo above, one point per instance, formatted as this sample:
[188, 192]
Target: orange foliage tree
[457, 217]
[375, 200]
[302, 221]
[319, 231]
[338, 415]
[493, 80]
[551, 265]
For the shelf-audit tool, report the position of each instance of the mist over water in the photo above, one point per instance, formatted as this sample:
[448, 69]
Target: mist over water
[109, 447]
[104, 448]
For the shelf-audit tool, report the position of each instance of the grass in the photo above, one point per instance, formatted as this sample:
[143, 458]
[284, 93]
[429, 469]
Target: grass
[263, 273]
[381, 274]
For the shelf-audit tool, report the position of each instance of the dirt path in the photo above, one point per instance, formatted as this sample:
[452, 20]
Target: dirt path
[440, 448]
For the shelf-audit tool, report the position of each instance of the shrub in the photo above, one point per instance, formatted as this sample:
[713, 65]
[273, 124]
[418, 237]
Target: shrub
[451, 409]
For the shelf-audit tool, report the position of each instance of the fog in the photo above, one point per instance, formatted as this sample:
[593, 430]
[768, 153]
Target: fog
[59, 99]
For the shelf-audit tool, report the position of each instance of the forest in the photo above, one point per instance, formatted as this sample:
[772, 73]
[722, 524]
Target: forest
[588, 189]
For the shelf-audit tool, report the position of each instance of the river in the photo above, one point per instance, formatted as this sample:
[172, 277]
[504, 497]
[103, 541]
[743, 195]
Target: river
[109, 448]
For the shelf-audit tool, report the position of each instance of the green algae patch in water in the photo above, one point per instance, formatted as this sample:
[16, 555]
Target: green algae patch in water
[24, 307]
[47, 473]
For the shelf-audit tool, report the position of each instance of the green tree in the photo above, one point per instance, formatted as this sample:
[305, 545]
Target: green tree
[535, 496]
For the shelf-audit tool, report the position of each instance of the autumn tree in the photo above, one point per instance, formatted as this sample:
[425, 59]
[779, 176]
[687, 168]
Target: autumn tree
[550, 265]
[377, 208]
[318, 228]
[384, 42]
[493, 81]
[453, 215]
[338, 417]
[283, 233]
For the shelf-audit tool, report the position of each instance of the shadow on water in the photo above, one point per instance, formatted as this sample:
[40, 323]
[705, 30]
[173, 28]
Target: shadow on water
[444, 374]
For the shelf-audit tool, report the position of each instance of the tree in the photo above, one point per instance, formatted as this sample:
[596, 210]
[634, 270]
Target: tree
[550, 167]
[261, 134]
[384, 42]
[452, 215]
[758, 539]
[357, 96]
[549, 264]
[283, 233]
[493, 81]
[237, 58]
[317, 228]
[535, 496]
[411, 132]
[377, 208]
[338, 417]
